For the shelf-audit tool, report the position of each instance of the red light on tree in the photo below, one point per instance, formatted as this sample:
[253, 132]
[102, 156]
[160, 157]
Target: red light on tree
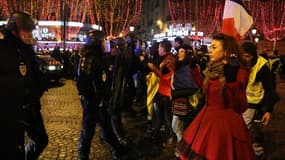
[269, 18]
[116, 15]
[205, 15]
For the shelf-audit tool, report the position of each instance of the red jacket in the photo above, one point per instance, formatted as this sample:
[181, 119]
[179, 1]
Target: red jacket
[165, 79]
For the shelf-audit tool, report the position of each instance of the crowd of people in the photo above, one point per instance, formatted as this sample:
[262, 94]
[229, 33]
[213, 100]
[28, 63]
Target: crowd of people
[206, 100]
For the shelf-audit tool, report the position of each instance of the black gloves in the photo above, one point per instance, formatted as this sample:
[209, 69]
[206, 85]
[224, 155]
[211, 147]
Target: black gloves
[231, 69]
[165, 70]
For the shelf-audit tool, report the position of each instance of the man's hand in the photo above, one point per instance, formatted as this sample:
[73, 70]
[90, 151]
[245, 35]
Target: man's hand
[161, 65]
[265, 118]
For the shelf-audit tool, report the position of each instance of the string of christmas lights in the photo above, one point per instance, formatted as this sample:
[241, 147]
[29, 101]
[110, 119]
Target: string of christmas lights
[116, 16]
[204, 15]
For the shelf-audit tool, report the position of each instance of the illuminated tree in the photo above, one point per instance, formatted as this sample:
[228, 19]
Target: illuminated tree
[116, 15]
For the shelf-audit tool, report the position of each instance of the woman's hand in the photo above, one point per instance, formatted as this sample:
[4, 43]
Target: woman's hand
[161, 65]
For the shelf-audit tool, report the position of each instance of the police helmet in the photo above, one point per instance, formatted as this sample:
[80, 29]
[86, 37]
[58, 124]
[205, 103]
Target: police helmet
[131, 38]
[21, 20]
[119, 41]
[94, 37]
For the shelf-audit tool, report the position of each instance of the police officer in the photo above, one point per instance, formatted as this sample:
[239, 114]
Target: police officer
[94, 81]
[123, 88]
[21, 89]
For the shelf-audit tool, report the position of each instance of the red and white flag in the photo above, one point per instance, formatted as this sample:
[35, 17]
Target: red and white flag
[236, 19]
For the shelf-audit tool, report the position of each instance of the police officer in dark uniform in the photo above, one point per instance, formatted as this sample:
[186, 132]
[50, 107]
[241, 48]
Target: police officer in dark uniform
[94, 85]
[123, 88]
[21, 89]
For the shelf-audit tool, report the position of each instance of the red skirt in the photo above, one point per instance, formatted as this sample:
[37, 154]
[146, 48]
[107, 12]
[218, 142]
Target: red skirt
[216, 134]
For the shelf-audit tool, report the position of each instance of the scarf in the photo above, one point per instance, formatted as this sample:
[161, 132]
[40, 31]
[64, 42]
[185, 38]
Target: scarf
[215, 70]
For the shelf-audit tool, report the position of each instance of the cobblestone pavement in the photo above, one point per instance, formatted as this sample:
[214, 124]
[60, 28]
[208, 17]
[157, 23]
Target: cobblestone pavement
[61, 110]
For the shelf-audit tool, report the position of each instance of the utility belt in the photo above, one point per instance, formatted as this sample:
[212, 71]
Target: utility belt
[29, 115]
[26, 106]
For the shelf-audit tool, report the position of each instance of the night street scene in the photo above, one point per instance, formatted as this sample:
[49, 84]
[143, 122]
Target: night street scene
[142, 79]
[63, 120]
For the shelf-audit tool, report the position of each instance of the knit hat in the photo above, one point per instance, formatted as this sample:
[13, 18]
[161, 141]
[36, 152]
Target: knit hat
[250, 48]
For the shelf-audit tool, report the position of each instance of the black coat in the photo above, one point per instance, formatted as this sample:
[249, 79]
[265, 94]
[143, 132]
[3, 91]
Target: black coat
[20, 84]
[21, 79]
[94, 75]
[123, 91]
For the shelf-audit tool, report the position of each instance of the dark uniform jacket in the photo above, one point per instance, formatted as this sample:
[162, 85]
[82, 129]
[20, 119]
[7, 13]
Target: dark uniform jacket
[20, 84]
[123, 92]
[21, 80]
[94, 76]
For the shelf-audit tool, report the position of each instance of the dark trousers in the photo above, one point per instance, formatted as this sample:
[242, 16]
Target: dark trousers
[12, 141]
[38, 138]
[19, 145]
[106, 132]
[122, 102]
[117, 125]
[128, 92]
[141, 88]
[162, 115]
[91, 115]
[12, 131]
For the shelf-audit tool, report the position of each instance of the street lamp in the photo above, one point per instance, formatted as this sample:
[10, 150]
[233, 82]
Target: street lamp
[256, 39]
[159, 22]
[132, 28]
[253, 31]
[255, 36]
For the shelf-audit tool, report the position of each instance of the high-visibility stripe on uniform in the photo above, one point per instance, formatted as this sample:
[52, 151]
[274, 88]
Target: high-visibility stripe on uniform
[254, 90]
[271, 61]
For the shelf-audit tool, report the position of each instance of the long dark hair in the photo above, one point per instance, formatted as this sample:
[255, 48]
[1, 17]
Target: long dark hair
[187, 58]
[231, 46]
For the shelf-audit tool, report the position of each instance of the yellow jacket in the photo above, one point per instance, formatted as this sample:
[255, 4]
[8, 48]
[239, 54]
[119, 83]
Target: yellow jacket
[254, 90]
